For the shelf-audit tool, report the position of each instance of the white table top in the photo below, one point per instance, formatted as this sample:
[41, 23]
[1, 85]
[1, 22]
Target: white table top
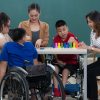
[50, 50]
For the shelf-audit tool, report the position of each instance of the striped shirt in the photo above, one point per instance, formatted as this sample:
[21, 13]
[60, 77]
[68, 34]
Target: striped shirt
[94, 41]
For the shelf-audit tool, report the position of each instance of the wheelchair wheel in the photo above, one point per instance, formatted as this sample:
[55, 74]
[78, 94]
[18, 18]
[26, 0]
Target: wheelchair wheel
[43, 87]
[60, 86]
[14, 87]
[49, 95]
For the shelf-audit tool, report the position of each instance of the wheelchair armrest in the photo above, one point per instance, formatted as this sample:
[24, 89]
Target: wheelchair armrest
[19, 69]
[51, 66]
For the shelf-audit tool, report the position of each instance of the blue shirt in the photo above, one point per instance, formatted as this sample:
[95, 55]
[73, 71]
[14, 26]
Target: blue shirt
[16, 54]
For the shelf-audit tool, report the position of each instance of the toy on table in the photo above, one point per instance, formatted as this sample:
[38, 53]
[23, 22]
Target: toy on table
[66, 45]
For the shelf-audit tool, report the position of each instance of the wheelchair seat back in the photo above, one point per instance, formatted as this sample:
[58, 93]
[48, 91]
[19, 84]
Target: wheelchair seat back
[38, 76]
[36, 70]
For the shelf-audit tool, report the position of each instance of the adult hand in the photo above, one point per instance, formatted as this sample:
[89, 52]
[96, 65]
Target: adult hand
[38, 43]
[82, 45]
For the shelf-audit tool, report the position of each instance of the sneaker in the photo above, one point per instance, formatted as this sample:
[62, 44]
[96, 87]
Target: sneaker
[57, 92]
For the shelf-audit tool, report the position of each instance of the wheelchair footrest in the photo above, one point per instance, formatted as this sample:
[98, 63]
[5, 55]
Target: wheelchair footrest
[72, 88]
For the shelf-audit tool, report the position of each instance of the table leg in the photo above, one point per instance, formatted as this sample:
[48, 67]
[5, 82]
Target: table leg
[85, 78]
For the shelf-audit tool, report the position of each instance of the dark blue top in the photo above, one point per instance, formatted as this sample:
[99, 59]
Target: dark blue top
[35, 37]
[16, 54]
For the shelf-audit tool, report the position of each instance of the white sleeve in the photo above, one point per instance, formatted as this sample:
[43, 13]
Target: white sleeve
[91, 38]
[1, 36]
[2, 40]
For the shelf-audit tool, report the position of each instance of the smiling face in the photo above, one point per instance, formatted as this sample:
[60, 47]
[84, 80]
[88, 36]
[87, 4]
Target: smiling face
[34, 15]
[5, 28]
[62, 31]
[90, 23]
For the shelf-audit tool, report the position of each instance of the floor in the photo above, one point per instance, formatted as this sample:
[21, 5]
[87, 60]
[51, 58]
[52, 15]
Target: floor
[98, 82]
[67, 98]
[56, 98]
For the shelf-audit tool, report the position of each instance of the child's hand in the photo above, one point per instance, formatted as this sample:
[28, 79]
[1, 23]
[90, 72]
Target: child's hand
[61, 62]
[71, 39]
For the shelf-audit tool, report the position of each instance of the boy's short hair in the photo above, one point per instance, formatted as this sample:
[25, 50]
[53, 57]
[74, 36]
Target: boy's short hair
[60, 23]
[17, 34]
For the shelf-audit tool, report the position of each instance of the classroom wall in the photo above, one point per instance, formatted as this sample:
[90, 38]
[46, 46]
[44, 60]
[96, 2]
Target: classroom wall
[72, 11]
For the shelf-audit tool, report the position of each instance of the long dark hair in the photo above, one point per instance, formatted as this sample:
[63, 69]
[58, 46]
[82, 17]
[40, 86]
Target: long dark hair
[95, 17]
[4, 18]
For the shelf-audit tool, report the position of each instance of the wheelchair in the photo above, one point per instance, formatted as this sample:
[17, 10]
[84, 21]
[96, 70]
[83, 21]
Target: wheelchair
[74, 89]
[22, 83]
[74, 86]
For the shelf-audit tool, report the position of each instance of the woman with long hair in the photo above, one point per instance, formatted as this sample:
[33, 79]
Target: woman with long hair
[93, 70]
[4, 29]
[37, 30]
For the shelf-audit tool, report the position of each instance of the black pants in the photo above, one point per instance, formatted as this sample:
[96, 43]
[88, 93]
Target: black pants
[93, 70]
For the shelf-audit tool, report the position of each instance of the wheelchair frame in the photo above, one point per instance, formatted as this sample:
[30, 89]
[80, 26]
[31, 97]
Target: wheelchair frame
[16, 86]
[21, 76]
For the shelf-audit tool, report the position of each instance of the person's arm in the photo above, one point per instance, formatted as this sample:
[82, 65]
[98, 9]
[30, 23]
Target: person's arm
[36, 62]
[73, 38]
[2, 41]
[35, 55]
[90, 48]
[60, 62]
[3, 61]
[3, 67]
[93, 49]
[45, 39]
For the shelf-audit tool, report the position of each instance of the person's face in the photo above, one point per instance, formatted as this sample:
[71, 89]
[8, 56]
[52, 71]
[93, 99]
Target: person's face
[90, 23]
[34, 15]
[62, 31]
[6, 27]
